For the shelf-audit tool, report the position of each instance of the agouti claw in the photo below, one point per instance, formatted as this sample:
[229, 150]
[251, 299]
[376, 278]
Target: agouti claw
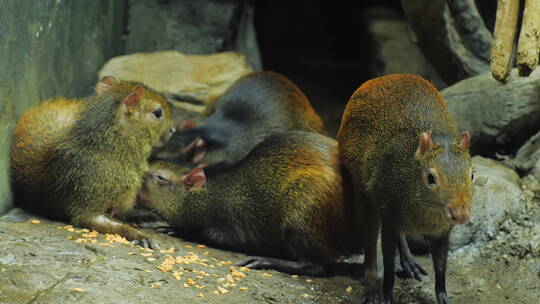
[170, 231]
[146, 243]
[411, 269]
[253, 263]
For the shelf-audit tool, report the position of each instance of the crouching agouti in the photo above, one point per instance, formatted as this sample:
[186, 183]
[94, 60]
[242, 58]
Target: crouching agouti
[82, 161]
[286, 200]
[254, 107]
[410, 171]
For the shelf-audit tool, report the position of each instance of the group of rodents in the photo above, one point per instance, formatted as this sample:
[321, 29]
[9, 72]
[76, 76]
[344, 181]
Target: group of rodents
[256, 175]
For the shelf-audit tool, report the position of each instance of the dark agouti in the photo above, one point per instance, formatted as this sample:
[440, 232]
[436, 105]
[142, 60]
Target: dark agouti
[90, 161]
[255, 106]
[410, 171]
[286, 199]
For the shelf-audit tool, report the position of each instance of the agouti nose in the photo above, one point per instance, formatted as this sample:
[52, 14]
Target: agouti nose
[459, 215]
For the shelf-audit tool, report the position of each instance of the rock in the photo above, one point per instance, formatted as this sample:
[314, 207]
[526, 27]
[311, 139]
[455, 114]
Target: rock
[528, 156]
[395, 52]
[499, 117]
[204, 77]
[497, 196]
[193, 27]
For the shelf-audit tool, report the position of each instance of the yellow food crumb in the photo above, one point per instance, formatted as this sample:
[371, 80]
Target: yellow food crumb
[93, 241]
[230, 278]
[106, 244]
[151, 259]
[348, 289]
[186, 285]
[305, 295]
[170, 250]
[244, 269]
[294, 276]
[266, 275]
[146, 254]
[191, 282]
[70, 229]
[200, 295]
[78, 289]
[147, 270]
[188, 246]
[222, 290]
[243, 288]
[201, 246]
[200, 286]
[80, 240]
[205, 253]
[220, 280]
[34, 221]
[309, 280]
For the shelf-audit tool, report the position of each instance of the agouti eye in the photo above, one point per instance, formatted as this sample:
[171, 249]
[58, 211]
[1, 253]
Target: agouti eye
[161, 180]
[158, 113]
[432, 182]
[472, 176]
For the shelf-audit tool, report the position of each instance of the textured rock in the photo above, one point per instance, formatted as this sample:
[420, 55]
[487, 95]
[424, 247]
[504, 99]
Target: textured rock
[499, 117]
[193, 27]
[201, 76]
[497, 196]
[395, 52]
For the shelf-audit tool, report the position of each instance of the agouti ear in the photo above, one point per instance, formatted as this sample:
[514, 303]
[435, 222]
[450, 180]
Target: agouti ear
[425, 143]
[132, 100]
[195, 179]
[105, 83]
[465, 141]
[185, 125]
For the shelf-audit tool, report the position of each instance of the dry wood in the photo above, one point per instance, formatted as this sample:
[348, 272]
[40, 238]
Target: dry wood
[504, 39]
[529, 38]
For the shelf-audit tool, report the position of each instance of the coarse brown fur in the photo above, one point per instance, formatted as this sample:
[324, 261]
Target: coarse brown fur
[395, 132]
[93, 163]
[286, 198]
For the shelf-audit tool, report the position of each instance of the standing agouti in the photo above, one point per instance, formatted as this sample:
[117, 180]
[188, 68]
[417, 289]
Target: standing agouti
[90, 160]
[255, 106]
[286, 199]
[410, 171]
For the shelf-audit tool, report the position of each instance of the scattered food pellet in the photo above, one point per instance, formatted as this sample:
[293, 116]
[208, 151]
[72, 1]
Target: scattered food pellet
[186, 285]
[243, 288]
[146, 254]
[80, 240]
[70, 229]
[170, 250]
[34, 221]
[3, 269]
[215, 275]
[200, 286]
[106, 244]
[305, 295]
[348, 289]
[188, 246]
[93, 241]
[191, 282]
[201, 246]
[244, 269]
[222, 290]
[309, 280]
[151, 259]
[78, 289]
[131, 253]
[200, 295]
[294, 276]
[267, 275]
[147, 270]
[205, 253]
[216, 292]
[220, 280]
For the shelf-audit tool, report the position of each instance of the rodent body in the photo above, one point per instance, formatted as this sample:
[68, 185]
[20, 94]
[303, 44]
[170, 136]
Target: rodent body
[410, 170]
[285, 199]
[95, 163]
[255, 106]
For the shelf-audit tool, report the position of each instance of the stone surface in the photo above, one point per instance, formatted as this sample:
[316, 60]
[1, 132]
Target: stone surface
[497, 197]
[47, 262]
[527, 157]
[50, 48]
[499, 117]
[204, 77]
[193, 27]
[395, 52]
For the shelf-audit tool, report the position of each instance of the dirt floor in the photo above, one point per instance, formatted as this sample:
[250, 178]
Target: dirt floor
[50, 262]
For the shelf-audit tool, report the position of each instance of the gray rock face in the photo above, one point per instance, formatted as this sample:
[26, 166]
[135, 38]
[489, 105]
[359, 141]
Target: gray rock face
[496, 115]
[193, 27]
[497, 197]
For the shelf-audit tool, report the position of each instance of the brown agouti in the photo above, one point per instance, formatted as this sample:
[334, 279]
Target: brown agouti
[255, 106]
[286, 199]
[91, 159]
[410, 171]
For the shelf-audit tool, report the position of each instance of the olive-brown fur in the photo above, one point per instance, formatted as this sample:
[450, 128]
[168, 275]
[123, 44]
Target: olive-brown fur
[286, 198]
[379, 144]
[93, 165]
[255, 106]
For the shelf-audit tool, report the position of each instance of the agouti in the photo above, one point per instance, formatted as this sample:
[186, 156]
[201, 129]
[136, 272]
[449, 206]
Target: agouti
[286, 200]
[255, 106]
[410, 171]
[91, 160]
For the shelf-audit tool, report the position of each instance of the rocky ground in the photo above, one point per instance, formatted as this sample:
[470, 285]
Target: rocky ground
[50, 262]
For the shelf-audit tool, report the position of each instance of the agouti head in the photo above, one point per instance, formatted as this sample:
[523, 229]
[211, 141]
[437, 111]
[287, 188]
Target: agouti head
[446, 176]
[141, 109]
[166, 185]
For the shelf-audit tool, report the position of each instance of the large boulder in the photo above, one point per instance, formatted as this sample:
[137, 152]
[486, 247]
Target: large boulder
[499, 117]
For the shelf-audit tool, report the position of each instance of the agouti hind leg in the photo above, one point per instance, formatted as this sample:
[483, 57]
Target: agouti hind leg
[411, 269]
[103, 224]
[291, 267]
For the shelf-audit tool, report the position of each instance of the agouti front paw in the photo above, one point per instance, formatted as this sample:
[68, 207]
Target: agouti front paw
[254, 262]
[372, 299]
[442, 298]
[146, 243]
